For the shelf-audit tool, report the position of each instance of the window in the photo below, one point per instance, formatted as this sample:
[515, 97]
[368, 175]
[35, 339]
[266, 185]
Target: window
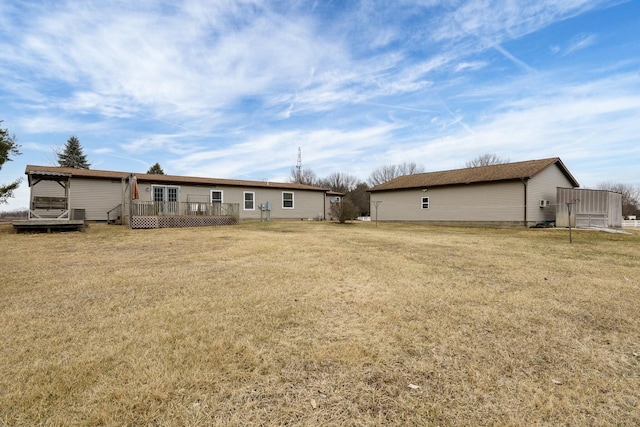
[287, 200]
[425, 203]
[216, 196]
[249, 201]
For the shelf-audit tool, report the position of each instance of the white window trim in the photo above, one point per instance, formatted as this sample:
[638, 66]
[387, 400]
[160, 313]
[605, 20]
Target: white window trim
[217, 191]
[165, 186]
[422, 203]
[293, 198]
[244, 201]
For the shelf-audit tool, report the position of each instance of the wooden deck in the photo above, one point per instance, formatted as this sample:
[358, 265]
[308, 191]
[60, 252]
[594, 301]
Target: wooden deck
[140, 221]
[183, 214]
[48, 225]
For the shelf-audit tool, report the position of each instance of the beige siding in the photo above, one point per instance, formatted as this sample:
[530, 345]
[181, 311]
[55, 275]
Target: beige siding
[543, 187]
[307, 204]
[96, 197]
[498, 202]
[329, 200]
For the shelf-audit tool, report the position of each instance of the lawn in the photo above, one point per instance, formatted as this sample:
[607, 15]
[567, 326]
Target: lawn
[316, 323]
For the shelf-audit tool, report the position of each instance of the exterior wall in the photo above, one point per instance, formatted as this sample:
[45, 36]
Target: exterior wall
[491, 203]
[329, 200]
[496, 203]
[306, 204]
[591, 208]
[95, 196]
[543, 187]
[98, 196]
[615, 210]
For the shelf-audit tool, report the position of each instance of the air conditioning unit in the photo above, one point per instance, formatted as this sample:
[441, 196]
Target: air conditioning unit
[544, 203]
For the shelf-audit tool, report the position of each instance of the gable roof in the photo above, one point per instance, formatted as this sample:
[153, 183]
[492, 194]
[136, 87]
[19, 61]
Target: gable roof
[164, 179]
[482, 174]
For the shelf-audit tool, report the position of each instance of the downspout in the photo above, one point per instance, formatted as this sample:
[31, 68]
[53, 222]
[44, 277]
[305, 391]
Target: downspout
[324, 206]
[524, 183]
[130, 199]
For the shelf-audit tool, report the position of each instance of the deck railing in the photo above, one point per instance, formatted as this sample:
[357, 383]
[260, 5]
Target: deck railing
[115, 215]
[185, 209]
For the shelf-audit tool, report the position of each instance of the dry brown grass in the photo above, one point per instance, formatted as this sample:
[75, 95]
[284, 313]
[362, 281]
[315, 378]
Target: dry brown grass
[298, 323]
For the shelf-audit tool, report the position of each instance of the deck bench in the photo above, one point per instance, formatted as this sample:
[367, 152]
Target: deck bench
[48, 203]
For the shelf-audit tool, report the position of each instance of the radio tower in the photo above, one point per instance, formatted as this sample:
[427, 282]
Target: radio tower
[299, 167]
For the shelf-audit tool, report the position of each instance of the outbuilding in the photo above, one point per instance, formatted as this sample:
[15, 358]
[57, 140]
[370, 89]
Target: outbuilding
[509, 194]
[582, 208]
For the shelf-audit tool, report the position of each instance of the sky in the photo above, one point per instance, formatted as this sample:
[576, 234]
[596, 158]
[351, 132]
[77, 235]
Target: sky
[232, 89]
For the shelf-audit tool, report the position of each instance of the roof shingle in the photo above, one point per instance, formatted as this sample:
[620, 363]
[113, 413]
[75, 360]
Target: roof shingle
[502, 172]
[174, 179]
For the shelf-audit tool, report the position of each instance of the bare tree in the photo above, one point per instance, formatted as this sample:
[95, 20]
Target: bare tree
[340, 182]
[304, 176]
[343, 210]
[387, 173]
[630, 196]
[486, 160]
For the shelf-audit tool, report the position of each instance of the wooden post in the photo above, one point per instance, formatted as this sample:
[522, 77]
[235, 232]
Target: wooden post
[376, 203]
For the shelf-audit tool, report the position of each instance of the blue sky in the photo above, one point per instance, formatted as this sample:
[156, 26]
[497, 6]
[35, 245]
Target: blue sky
[231, 89]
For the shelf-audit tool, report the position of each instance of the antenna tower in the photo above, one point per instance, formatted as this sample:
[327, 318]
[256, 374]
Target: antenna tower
[299, 167]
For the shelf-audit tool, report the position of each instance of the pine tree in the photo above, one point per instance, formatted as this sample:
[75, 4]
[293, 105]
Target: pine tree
[8, 148]
[72, 156]
[155, 170]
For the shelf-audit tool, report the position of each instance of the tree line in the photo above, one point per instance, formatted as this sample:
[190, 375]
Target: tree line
[354, 201]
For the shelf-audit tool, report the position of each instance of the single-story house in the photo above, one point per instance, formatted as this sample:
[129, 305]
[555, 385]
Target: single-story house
[582, 208]
[139, 199]
[518, 193]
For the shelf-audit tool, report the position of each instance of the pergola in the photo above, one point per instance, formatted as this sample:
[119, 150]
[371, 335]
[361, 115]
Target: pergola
[60, 205]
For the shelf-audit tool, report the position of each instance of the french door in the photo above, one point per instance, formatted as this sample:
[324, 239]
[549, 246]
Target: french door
[166, 199]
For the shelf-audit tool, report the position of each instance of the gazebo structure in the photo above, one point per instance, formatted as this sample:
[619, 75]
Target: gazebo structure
[47, 213]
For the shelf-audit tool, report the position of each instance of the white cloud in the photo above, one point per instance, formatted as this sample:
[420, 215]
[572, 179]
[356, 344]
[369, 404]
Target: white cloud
[493, 21]
[577, 123]
[470, 66]
[231, 88]
[265, 153]
[579, 42]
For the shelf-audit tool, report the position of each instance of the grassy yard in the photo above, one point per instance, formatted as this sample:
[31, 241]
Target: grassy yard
[309, 323]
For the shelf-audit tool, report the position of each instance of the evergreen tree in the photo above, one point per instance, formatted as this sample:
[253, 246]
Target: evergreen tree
[155, 170]
[72, 156]
[8, 148]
